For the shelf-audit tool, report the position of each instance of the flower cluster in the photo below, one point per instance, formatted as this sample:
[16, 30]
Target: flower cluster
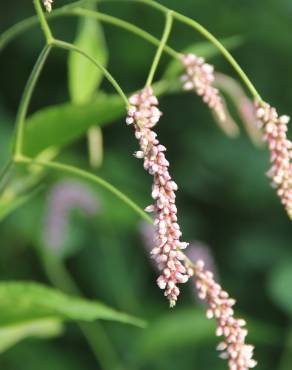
[144, 114]
[48, 5]
[233, 347]
[280, 147]
[199, 76]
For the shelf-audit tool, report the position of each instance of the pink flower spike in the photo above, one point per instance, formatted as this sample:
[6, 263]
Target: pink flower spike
[144, 114]
[199, 76]
[275, 129]
[233, 347]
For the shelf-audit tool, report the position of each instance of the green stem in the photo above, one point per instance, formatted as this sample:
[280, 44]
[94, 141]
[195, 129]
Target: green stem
[108, 76]
[65, 11]
[96, 179]
[204, 32]
[164, 38]
[26, 98]
[44, 24]
[123, 24]
[223, 50]
[87, 176]
[189, 21]
[94, 332]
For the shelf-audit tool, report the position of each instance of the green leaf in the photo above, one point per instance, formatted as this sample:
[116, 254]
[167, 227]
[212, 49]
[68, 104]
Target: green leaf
[12, 334]
[279, 285]
[84, 77]
[22, 302]
[204, 49]
[60, 125]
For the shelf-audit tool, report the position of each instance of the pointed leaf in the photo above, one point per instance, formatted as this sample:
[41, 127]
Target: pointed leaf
[12, 334]
[60, 125]
[84, 77]
[24, 301]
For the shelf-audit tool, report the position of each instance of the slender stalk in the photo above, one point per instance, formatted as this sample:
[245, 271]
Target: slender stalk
[94, 333]
[203, 31]
[223, 50]
[96, 179]
[164, 38]
[44, 24]
[72, 9]
[108, 76]
[87, 176]
[123, 24]
[26, 98]
[66, 11]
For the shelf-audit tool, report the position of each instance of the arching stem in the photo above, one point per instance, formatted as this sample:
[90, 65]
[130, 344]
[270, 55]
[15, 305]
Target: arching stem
[57, 166]
[164, 38]
[44, 24]
[108, 76]
[66, 11]
[26, 98]
[203, 31]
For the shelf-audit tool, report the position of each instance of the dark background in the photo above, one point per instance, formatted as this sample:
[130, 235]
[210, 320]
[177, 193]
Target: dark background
[224, 199]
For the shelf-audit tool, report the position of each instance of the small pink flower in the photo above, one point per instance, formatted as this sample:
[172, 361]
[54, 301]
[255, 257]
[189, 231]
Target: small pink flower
[144, 114]
[199, 76]
[233, 347]
[48, 5]
[275, 133]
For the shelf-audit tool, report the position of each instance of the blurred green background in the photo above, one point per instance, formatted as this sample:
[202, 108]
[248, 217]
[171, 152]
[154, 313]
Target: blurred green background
[224, 198]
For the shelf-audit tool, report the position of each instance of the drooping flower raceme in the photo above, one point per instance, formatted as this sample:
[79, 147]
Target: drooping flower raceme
[144, 114]
[199, 76]
[48, 5]
[275, 129]
[233, 347]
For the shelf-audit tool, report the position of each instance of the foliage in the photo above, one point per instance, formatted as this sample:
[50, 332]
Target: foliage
[224, 198]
